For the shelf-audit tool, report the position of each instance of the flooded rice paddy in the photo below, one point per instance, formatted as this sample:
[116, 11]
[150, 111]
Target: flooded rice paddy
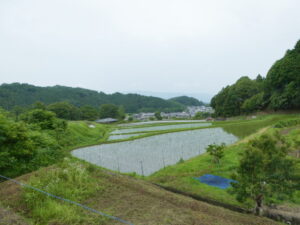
[159, 128]
[146, 155]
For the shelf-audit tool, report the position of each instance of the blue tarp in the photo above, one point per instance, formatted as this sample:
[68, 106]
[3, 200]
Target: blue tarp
[216, 181]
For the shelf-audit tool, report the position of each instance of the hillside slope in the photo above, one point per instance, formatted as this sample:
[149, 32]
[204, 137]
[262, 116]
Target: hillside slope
[187, 101]
[279, 90]
[17, 94]
[131, 199]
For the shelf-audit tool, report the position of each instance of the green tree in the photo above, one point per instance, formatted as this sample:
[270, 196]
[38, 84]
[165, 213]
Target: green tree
[41, 118]
[25, 95]
[17, 111]
[39, 105]
[255, 103]
[265, 172]
[16, 146]
[229, 101]
[29, 144]
[121, 113]
[201, 115]
[158, 115]
[283, 81]
[65, 110]
[187, 101]
[109, 111]
[45, 120]
[216, 151]
[89, 113]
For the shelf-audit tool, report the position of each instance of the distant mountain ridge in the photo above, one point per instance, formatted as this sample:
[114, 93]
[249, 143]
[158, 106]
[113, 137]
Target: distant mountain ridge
[17, 94]
[187, 101]
[204, 97]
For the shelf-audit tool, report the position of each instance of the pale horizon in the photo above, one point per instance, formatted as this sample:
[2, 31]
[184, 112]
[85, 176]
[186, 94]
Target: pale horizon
[135, 46]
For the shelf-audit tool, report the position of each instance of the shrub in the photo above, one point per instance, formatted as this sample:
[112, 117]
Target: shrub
[216, 151]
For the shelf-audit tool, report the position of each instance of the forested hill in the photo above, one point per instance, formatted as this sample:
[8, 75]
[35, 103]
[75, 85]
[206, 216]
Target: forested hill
[187, 101]
[17, 94]
[279, 90]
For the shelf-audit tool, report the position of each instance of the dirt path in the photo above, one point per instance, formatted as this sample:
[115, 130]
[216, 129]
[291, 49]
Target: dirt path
[8, 217]
[261, 131]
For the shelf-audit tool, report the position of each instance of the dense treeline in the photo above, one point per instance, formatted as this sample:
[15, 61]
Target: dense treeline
[16, 94]
[35, 140]
[67, 111]
[280, 90]
[187, 101]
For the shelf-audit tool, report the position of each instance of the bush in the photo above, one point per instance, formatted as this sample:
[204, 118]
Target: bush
[287, 123]
[16, 146]
[44, 120]
[25, 147]
[216, 151]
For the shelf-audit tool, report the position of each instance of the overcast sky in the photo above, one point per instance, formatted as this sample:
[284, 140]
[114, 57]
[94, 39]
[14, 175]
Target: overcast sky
[177, 46]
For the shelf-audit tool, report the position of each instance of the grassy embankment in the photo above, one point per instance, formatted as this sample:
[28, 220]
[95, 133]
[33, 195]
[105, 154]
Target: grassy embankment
[79, 134]
[131, 199]
[181, 176]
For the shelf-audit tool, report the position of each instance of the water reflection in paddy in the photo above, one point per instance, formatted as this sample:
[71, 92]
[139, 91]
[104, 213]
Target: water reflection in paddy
[147, 155]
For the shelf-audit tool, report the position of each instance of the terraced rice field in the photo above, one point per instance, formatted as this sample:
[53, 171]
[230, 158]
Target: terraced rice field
[160, 122]
[147, 155]
[160, 128]
[122, 136]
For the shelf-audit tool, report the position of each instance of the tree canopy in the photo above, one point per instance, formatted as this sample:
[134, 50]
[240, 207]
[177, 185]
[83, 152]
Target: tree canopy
[278, 91]
[25, 95]
[283, 81]
[187, 101]
[265, 172]
[30, 143]
[229, 101]
[108, 111]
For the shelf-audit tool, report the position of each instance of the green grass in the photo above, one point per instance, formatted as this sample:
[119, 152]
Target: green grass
[131, 199]
[243, 128]
[80, 134]
[293, 136]
[181, 176]
[69, 179]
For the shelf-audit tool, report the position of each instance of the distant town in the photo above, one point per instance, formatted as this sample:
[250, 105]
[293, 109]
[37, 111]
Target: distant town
[189, 113]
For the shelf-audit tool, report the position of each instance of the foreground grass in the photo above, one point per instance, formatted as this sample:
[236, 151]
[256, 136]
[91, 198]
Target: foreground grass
[69, 179]
[131, 199]
[9, 217]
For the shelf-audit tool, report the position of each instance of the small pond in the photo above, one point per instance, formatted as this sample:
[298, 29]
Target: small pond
[147, 155]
